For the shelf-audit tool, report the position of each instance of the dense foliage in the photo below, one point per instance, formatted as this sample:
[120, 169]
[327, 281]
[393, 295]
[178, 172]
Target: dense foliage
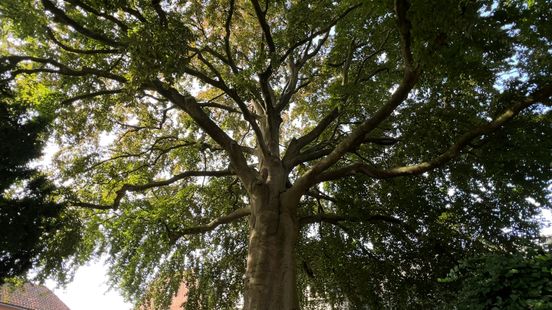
[30, 221]
[372, 145]
[504, 282]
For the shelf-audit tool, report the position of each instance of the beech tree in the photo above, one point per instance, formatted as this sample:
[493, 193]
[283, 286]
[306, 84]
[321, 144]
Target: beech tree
[291, 154]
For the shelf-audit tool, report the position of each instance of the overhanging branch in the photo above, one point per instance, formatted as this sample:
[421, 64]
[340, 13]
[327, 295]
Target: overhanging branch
[68, 48]
[540, 96]
[92, 10]
[180, 176]
[230, 218]
[63, 18]
[404, 24]
[227, 27]
[120, 194]
[336, 219]
[232, 93]
[62, 69]
[91, 95]
[315, 34]
[159, 10]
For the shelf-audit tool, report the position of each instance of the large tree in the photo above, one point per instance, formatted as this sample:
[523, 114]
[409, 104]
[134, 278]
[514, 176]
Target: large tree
[369, 144]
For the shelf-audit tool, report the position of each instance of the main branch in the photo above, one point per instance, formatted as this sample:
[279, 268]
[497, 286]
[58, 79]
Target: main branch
[541, 96]
[65, 19]
[353, 140]
[261, 16]
[235, 152]
[62, 69]
[296, 145]
[229, 218]
[142, 187]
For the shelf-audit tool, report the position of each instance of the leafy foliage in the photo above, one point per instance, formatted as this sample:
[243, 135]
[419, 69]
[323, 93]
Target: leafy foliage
[34, 230]
[400, 137]
[504, 282]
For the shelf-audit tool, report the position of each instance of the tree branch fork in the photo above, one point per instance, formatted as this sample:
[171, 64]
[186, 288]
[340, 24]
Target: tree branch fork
[323, 169]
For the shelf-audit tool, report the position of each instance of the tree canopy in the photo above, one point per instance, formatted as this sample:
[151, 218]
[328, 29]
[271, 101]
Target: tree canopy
[371, 145]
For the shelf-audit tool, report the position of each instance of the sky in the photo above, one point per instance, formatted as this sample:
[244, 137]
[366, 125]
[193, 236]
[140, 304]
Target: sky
[89, 290]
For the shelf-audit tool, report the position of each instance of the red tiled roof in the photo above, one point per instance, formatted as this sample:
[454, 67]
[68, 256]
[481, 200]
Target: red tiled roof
[32, 297]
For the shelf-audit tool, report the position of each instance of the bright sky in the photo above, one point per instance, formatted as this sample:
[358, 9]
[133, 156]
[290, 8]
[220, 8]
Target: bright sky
[89, 290]
[547, 230]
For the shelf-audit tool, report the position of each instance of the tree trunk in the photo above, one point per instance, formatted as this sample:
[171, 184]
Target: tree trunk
[270, 282]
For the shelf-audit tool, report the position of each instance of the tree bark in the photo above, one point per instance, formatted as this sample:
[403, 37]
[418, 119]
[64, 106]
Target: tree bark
[270, 280]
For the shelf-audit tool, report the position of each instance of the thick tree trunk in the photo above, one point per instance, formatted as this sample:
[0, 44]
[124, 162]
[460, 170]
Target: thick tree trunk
[270, 282]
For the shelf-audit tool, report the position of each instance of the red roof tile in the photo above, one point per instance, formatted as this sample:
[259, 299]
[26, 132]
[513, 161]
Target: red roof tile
[31, 296]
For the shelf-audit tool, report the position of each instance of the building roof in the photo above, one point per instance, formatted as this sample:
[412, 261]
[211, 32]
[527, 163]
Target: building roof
[31, 297]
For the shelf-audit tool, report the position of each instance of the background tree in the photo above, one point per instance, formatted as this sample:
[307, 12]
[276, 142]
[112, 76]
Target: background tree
[32, 226]
[380, 139]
